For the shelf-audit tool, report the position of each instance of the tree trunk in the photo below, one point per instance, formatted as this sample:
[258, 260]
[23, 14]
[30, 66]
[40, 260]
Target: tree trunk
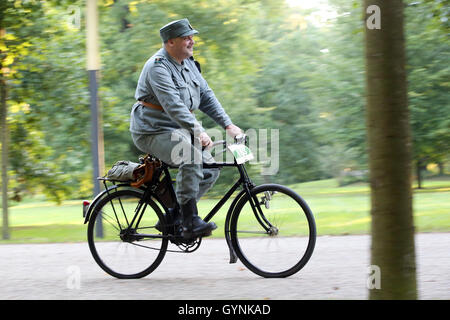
[389, 142]
[5, 145]
[441, 168]
[419, 174]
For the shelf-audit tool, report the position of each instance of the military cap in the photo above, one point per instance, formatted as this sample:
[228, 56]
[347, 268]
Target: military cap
[175, 29]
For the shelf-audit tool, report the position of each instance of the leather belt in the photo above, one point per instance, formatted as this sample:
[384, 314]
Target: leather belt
[151, 105]
[154, 106]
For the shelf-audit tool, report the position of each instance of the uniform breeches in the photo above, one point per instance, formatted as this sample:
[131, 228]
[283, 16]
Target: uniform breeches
[176, 149]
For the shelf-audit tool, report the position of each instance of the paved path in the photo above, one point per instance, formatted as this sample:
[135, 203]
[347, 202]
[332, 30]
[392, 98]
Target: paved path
[338, 269]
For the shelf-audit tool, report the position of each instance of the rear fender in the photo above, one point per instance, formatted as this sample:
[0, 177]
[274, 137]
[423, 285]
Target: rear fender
[100, 196]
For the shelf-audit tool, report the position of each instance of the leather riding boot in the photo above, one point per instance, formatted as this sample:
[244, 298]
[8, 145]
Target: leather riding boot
[193, 225]
[173, 219]
[176, 216]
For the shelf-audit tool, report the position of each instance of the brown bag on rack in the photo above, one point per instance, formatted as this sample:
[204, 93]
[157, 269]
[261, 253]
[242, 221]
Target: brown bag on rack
[144, 173]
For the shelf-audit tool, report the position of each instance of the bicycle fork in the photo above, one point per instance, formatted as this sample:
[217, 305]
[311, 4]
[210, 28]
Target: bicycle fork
[254, 203]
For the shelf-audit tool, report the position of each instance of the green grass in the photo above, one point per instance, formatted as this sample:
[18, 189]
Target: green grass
[337, 210]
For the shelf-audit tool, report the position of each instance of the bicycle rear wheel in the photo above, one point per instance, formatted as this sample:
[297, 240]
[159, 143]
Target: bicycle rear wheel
[121, 251]
[273, 232]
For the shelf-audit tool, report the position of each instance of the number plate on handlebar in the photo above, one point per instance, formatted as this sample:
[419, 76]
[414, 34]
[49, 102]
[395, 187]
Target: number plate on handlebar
[241, 153]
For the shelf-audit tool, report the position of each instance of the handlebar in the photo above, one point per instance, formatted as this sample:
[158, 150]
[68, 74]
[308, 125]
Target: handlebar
[239, 139]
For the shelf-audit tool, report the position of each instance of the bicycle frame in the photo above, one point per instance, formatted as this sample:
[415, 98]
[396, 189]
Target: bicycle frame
[243, 181]
[169, 201]
[247, 185]
[128, 205]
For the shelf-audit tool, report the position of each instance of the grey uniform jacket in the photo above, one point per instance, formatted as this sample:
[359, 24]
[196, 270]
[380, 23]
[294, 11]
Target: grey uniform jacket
[179, 89]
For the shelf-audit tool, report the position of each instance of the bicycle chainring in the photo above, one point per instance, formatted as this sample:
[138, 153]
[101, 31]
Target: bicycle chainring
[188, 246]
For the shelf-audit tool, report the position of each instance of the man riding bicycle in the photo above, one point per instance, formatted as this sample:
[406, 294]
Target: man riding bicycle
[170, 88]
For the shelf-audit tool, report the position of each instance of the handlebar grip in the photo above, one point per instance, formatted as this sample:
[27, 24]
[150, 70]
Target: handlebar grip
[217, 143]
[238, 139]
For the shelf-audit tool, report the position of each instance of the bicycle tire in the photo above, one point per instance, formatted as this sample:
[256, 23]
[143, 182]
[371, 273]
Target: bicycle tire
[287, 229]
[110, 207]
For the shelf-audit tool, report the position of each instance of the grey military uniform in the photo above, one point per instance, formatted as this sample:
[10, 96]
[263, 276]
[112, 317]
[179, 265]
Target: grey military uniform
[179, 89]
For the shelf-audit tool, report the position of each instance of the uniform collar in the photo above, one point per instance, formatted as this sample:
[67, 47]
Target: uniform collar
[173, 61]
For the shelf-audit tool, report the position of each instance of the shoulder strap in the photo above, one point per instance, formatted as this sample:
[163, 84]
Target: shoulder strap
[197, 64]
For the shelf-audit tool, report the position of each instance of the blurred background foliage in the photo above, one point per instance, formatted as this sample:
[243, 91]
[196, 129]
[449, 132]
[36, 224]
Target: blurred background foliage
[273, 65]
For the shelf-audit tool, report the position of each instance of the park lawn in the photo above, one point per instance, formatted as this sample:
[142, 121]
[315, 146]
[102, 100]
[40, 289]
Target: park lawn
[337, 211]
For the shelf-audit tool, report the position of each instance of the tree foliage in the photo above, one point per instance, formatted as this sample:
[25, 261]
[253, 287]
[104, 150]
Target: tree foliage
[270, 65]
[428, 72]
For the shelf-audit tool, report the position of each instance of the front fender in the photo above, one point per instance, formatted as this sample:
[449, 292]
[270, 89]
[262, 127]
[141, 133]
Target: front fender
[233, 257]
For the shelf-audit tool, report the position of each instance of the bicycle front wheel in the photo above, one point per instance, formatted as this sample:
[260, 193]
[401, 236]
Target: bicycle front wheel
[273, 232]
[128, 245]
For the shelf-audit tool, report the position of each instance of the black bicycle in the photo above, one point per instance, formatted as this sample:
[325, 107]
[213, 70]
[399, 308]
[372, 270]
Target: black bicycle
[269, 227]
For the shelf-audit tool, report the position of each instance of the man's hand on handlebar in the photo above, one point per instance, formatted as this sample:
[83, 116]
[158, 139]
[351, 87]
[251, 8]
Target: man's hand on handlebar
[205, 140]
[233, 130]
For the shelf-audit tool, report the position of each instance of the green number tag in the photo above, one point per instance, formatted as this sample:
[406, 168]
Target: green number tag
[241, 153]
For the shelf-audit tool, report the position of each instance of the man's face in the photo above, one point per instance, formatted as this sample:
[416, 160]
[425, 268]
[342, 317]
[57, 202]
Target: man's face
[183, 47]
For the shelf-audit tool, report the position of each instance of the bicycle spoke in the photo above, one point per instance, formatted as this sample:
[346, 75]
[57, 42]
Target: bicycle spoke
[287, 241]
[253, 232]
[115, 214]
[117, 251]
[104, 218]
[124, 214]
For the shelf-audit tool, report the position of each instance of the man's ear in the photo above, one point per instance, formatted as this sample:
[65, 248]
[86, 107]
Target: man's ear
[171, 42]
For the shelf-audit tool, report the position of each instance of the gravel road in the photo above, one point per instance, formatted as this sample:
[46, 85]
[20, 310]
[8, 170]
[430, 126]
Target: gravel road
[338, 269]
